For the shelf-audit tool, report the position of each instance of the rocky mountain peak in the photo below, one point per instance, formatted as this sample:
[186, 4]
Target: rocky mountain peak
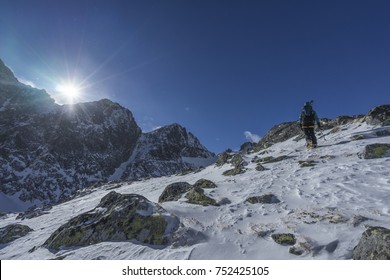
[6, 75]
[48, 152]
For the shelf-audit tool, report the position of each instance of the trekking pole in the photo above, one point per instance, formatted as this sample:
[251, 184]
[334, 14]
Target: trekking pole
[323, 134]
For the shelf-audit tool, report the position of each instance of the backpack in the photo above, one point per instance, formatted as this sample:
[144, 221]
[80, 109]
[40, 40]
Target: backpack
[307, 116]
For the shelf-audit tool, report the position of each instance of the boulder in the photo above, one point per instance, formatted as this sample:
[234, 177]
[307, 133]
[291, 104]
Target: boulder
[264, 199]
[197, 196]
[205, 184]
[223, 158]
[284, 238]
[278, 133]
[379, 115]
[234, 171]
[174, 192]
[13, 232]
[376, 151]
[260, 167]
[118, 217]
[373, 245]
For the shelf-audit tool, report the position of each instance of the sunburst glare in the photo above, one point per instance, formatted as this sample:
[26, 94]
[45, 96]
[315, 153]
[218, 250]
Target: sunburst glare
[69, 92]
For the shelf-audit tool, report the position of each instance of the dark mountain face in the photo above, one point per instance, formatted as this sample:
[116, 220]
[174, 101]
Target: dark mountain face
[48, 151]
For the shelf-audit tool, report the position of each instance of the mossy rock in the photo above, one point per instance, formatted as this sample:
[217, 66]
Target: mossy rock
[205, 184]
[284, 238]
[373, 245]
[234, 171]
[174, 191]
[271, 159]
[116, 218]
[264, 199]
[357, 137]
[335, 130]
[197, 196]
[374, 151]
[13, 232]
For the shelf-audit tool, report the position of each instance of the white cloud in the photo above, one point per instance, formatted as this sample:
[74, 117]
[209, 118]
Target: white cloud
[252, 137]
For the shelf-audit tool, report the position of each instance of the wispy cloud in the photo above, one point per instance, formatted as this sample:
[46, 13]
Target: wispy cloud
[252, 137]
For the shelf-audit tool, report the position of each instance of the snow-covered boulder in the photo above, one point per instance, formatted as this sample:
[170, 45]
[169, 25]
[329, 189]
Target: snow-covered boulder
[117, 217]
[374, 245]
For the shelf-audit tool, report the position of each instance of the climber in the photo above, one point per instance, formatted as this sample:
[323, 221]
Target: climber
[307, 121]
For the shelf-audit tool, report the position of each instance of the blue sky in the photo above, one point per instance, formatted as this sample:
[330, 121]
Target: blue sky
[218, 67]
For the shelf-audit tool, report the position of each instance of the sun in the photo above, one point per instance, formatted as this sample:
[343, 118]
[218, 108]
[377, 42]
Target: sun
[70, 91]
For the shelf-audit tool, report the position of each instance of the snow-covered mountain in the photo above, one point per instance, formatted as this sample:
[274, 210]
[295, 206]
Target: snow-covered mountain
[284, 202]
[48, 152]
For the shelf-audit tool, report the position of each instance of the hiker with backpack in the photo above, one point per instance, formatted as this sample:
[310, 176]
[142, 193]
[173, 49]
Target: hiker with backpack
[307, 121]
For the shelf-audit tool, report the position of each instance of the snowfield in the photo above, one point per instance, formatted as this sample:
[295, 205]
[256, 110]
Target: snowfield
[326, 206]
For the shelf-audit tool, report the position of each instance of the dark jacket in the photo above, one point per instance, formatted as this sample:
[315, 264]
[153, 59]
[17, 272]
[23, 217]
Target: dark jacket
[308, 117]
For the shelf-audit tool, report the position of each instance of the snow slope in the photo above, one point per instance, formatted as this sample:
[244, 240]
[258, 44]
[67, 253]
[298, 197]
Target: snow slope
[321, 205]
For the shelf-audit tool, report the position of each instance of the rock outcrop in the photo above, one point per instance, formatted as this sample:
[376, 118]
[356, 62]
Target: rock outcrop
[376, 151]
[48, 151]
[13, 232]
[373, 245]
[194, 193]
[174, 191]
[117, 217]
[379, 115]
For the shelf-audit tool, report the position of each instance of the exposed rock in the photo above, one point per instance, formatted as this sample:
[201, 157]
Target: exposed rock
[284, 238]
[238, 161]
[382, 133]
[197, 196]
[223, 158]
[260, 167]
[6, 75]
[65, 148]
[205, 184]
[13, 232]
[296, 251]
[357, 137]
[234, 171]
[34, 212]
[224, 201]
[167, 151]
[357, 220]
[117, 218]
[271, 159]
[246, 147]
[379, 115]
[376, 151]
[174, 191]
[307, 163]
[264, 199]
[278, 133]
[373, 245]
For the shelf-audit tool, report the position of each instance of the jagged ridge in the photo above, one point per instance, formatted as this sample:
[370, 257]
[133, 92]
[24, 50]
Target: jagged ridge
[48, 151]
